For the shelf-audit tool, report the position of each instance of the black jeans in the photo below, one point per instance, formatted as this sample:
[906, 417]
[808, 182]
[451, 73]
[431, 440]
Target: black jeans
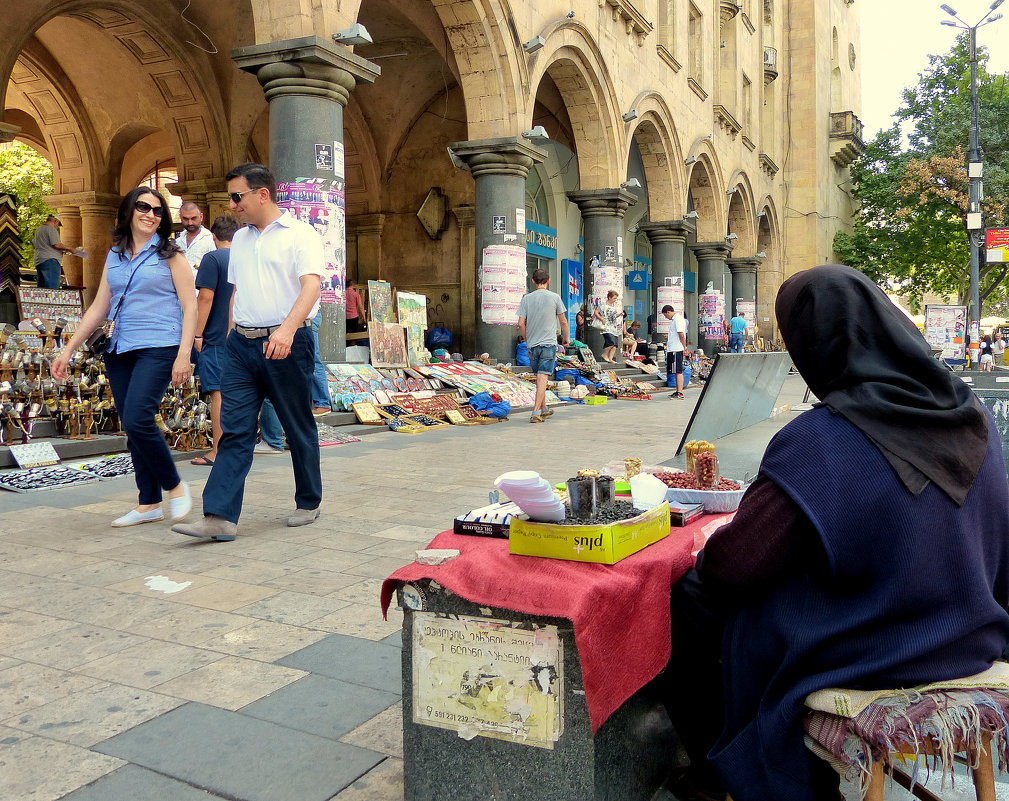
[138, 379]
[247, 378]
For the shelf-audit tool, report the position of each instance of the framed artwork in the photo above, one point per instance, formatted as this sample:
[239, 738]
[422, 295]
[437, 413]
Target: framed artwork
[388, 344]
[367, 414]
[411, 309]
[455, 416]
[380, 308]
[415, 353]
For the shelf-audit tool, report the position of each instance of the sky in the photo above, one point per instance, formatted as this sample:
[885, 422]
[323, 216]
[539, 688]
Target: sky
[897, 38]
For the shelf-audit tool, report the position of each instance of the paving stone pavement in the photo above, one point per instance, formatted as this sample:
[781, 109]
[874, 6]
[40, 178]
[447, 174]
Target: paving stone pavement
[139, 664]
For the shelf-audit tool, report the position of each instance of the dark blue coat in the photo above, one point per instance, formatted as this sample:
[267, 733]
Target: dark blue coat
[914, 590]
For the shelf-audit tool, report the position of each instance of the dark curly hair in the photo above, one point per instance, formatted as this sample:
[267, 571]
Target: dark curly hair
[122, 234]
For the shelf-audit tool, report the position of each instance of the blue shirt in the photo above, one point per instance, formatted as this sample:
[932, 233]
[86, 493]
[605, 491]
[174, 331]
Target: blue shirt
[737, 325]
[150, 315]
[213, 275]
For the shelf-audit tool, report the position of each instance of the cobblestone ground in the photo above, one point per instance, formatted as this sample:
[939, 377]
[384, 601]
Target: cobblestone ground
[138, 664]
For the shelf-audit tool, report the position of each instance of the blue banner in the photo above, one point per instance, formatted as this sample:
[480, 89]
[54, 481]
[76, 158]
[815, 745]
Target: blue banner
[541, 240]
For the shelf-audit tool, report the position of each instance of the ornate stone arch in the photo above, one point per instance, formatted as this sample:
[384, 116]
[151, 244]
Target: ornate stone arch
[573, 61]
[704, 183]
[769, 272]
[740, 214]
[658, 143]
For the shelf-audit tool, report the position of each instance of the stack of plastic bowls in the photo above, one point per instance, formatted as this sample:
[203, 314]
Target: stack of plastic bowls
[532, 494]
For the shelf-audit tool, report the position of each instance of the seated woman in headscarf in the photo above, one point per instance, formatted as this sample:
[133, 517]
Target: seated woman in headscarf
[872, 551]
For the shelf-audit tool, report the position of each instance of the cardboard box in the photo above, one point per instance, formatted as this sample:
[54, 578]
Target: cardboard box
[603, 544]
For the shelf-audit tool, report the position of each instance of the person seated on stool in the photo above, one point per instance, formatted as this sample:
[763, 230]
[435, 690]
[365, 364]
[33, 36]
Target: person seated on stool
[871, 552]
[276, 265]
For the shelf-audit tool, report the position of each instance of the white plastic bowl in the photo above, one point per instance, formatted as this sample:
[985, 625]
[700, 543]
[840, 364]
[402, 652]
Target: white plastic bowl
[713, 500]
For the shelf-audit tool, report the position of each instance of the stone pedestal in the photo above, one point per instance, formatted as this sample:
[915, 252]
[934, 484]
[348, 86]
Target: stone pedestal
[711, 269]
[71, 236]
[627, 759]
[499, 168]
[668, 239]
[307, 82]
[744, 283]
[603, 224]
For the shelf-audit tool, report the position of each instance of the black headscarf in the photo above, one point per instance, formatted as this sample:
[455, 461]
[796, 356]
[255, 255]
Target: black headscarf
[866, 361]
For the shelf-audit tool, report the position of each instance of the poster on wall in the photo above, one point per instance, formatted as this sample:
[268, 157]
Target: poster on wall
[320, 202]
[605, 279]
[380, 308]
[748, 310]
[669, 294]
[711, 310]
[502, 279]
[411, 309]
[573, 296]
[946, 329]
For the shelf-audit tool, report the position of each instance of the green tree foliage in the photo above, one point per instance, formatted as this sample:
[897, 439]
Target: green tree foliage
[28, 177]
[910, 229]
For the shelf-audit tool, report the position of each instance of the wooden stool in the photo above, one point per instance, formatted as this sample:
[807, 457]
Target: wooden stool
[886, 727]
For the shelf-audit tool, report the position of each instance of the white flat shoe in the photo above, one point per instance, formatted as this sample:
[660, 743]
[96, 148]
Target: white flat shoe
[135, 518]
[179, 507]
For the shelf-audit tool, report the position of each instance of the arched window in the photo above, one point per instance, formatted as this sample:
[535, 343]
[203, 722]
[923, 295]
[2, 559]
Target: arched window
[164, 173]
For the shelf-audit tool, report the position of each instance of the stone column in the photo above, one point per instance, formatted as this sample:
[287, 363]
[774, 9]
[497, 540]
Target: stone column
[71, 236]
[97, 221]
[307, 82]
[499, 168]
[744, 282]
[466, 218]
[668, 239]
[603, 222]
[711, 257]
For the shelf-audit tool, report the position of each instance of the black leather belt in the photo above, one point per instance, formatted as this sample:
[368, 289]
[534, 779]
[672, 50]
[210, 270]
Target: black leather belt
[262, 333]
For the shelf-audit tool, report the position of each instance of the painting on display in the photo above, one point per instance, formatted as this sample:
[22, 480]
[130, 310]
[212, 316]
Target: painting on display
[380, 308]
[411, 309]
[321, 203]
[388, 344]
[415, 352]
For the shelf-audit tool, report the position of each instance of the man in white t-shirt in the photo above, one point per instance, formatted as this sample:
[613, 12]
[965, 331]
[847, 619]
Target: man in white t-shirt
[195, 240]
[676, 347]
[276, 267]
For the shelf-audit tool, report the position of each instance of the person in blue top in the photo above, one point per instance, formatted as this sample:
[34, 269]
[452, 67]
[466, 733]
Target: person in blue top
[737, 333]
[147, 289]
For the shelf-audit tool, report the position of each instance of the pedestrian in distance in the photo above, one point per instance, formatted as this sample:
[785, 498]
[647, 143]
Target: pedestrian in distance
[540, 312]
[49, 252]
[213, 303]
[147, 285]
[276, 265]
[737, 333]
[676, 348]
[987, 358]
[193, 240]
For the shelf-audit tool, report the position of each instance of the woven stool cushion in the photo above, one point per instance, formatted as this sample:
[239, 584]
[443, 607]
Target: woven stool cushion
[854, 729]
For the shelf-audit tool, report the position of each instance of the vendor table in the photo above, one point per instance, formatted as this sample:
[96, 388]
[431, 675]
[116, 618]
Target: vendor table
[526, 677]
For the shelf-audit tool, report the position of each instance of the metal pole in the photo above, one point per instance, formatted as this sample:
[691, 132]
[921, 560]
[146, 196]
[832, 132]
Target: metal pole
[974, 156]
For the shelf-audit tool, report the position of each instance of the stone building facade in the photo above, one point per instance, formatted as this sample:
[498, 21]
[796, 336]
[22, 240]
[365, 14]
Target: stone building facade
[700, 144]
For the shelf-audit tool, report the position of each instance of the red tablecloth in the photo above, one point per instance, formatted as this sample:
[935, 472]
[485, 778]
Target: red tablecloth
[620, 612]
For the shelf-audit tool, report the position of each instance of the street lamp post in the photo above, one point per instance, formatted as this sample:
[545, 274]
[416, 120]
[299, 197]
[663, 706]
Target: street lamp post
[975, 172]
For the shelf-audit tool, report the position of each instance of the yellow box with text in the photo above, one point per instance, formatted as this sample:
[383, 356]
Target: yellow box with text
[603, 544]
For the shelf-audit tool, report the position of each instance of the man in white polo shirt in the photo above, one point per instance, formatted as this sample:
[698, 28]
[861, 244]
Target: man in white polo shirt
[195, 240]
[276, 266]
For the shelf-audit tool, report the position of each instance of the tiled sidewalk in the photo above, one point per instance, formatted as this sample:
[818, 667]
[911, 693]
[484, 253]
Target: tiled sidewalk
[139, 664]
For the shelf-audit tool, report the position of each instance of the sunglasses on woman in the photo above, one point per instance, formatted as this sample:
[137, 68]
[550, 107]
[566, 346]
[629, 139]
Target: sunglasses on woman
[146, 208]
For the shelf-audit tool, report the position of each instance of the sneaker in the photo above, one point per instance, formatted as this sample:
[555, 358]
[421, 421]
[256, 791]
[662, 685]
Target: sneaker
[536, 419]
[264, 447]
[321, 411]
[546, 413]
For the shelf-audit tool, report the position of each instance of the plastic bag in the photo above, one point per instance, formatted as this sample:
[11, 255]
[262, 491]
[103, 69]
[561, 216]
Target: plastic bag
[522, 354]
[439, 337]
[483, 402]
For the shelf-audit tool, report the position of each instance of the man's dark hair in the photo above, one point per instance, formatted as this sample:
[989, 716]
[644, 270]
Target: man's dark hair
[668, 308]
[257, 176]
[540, 276]
[224, 227]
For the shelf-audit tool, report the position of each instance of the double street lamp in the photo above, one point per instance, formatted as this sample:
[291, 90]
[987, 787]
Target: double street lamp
[975, 170]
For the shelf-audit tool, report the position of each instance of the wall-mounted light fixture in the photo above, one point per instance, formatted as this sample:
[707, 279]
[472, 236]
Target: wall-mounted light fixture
[731, 237]
[763, 213]
[630, 115]
[534, 44]
[535, 133]
[691, 215]
[761, 255]
[689, 160]
[631, 183]
[731, 192]
[356, 34]
[633, 229]
[570, 15]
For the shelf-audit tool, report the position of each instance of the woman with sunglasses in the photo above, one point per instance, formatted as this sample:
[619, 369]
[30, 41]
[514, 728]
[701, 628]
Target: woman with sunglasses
[147, 287]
